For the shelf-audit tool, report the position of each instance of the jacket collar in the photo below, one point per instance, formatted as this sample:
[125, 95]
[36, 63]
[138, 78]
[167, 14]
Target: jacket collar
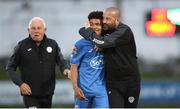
[44, 38]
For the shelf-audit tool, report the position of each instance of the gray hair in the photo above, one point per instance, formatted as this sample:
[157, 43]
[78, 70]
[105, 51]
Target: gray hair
[37, 18]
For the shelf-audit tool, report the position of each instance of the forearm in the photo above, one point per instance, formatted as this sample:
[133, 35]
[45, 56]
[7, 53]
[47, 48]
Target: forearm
[14, 77]
[100, 41]
[61, 62]
[74, 76]
[12, 66]
[117, 37]
[63, 65]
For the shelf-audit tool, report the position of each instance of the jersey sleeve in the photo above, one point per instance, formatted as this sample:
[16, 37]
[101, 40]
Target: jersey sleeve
[77, 54]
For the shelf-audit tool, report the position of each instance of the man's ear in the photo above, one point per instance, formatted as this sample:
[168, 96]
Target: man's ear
[28, 30]
[117, 22]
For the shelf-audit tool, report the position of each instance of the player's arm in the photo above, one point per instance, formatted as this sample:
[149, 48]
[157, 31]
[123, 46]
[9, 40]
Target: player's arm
[11, 71]
[119, 37]
[74, 76]
[76, 58]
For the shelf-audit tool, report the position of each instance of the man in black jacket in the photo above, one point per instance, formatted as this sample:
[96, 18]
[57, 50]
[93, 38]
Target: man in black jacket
[121, 67]
[36, 56]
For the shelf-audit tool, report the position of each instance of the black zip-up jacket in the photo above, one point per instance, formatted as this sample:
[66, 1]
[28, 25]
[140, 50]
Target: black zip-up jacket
[36, 65]
[120, 55]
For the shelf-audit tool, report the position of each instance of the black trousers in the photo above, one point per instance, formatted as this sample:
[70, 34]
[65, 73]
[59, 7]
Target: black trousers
[39, 102]
[123, 97]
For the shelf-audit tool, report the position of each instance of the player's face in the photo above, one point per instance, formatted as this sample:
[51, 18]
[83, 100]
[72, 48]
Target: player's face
[96, 25]
[37, 30]
[109, 20]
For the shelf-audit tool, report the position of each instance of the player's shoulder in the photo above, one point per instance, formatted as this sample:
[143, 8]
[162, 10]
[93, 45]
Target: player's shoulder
[82, 43]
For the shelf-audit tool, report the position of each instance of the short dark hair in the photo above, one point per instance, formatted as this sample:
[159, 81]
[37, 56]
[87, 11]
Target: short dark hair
[95, 15]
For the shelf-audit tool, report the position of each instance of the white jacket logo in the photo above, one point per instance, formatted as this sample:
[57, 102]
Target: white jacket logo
[97, 62]
[49, 49]
[131, 99]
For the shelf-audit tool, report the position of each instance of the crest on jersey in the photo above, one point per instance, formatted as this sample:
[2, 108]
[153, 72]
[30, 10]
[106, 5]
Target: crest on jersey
[74, 52]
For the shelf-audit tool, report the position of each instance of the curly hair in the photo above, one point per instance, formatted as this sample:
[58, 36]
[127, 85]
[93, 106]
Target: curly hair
[95, 15]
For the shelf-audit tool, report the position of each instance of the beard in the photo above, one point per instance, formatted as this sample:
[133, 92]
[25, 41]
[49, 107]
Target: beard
[105, 27]
[108, 29]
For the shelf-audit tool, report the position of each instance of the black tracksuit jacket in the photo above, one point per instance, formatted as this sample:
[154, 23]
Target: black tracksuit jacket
[121, 66]
[36, 65]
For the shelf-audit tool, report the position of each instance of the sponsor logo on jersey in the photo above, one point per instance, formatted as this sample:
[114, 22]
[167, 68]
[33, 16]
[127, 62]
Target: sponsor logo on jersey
[97, 62]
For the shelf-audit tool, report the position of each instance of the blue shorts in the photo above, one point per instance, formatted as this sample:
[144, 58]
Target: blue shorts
[97, 98]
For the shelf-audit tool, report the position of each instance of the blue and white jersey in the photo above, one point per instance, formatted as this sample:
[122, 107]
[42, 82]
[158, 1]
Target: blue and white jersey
[90, 65]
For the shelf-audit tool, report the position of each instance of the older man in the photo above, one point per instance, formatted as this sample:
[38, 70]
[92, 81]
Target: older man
[36, 56]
